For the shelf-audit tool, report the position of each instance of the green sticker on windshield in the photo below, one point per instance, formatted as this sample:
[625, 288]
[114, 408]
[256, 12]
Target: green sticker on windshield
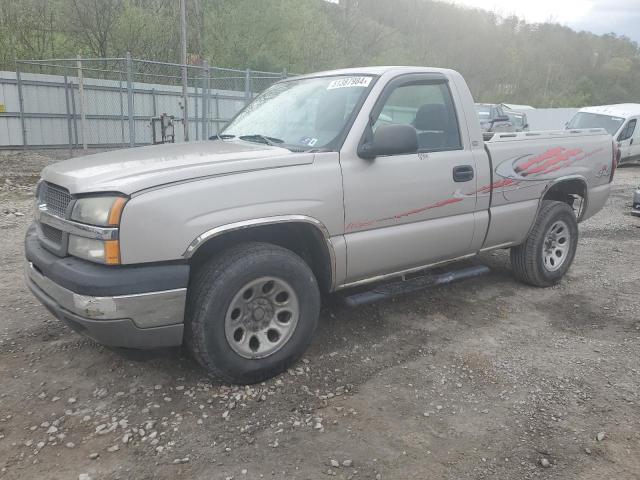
[348, 82]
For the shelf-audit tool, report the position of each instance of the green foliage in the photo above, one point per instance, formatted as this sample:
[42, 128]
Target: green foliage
[503, 59]
[148, 30]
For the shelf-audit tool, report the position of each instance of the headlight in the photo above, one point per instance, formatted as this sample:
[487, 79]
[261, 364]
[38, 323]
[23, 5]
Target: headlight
[102, 251]
[101, 211]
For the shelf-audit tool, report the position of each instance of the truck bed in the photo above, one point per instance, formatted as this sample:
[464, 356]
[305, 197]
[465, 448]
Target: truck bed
[525, 164]
[526, 159]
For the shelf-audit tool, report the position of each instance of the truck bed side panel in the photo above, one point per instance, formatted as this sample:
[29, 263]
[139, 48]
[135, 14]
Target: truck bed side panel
[526, 165]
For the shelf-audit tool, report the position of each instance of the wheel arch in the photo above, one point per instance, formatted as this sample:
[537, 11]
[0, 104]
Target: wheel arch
[304, 235]
[563, 189]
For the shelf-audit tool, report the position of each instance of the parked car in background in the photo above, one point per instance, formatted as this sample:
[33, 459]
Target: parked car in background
[619, 120]
[493, 118]
[635, 208]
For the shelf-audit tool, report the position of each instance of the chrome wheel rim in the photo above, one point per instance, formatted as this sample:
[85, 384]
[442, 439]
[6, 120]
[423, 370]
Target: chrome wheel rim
[261, 317]
[555, 248]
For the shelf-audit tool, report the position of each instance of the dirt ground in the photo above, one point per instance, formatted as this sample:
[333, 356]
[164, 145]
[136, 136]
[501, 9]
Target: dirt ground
[486, 378]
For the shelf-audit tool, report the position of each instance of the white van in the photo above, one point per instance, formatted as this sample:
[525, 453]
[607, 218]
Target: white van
[619, 120]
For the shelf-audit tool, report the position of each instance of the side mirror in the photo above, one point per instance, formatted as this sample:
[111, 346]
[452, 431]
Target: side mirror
[390, 140]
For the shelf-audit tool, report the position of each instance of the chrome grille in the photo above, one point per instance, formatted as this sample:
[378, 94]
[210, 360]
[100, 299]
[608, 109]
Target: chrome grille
[55, 198]
[52, 234]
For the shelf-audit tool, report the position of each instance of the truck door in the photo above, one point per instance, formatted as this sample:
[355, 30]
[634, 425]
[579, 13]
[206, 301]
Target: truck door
[407, 211]
[629, 142]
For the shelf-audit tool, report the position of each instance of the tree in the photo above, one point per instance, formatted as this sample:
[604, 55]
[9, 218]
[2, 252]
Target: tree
[502, 59]
[91, 22]
[148, 30]
[30, 28]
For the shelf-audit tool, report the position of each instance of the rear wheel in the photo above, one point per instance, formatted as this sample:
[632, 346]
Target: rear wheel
[252, 312]
[546, 255]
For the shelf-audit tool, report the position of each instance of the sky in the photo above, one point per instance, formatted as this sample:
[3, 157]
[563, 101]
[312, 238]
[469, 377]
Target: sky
[597, 16]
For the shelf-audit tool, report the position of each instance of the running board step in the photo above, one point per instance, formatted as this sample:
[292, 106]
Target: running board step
[399, 287]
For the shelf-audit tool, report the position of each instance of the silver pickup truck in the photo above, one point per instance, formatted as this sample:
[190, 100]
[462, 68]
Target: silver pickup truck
[324, 182]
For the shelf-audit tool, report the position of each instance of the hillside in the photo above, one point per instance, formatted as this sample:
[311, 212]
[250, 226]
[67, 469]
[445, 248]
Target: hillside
[503, 59]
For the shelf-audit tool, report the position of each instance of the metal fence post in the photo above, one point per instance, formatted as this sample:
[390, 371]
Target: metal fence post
[132, 131]
[154, 102]
[247, 86]
[83, 105]
[205, 102]
[284, 73]
[216, 115]
[185, 68]
[68, 109]
[122, 143]
[23, 123]
[196, 116]
[74, 114]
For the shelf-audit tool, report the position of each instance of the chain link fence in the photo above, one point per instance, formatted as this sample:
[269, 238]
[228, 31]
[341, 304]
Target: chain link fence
[112, 102]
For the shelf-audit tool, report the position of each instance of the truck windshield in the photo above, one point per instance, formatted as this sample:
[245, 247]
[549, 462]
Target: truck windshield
[594, 120]
[305, 114]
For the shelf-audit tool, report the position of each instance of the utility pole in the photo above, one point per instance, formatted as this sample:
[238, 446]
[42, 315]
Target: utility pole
[185, 85]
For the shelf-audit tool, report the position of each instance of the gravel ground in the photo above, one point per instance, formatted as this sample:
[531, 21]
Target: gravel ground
[486, 378]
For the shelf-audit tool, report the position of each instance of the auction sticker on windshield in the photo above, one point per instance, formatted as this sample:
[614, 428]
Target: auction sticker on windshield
[350, 82]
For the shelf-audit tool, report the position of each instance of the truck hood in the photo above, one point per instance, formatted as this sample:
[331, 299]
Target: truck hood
[131, 170]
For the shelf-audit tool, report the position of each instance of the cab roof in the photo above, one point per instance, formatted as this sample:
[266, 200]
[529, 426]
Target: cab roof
[378, 71]
[623, 110]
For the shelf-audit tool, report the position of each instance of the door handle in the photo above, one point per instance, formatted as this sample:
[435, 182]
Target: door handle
[462, 173]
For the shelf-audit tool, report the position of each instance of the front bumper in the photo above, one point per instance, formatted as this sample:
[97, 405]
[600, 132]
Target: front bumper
[113, 317]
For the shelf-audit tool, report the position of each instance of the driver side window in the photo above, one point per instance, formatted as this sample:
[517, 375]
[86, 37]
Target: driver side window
[628, 131]
[429, 109]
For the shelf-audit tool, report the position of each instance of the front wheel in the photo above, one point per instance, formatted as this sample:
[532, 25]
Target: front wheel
[252, 312]
[547, 253]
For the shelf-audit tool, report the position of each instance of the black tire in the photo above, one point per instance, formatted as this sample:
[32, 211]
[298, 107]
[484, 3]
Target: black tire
[527, 259]
[211, 291]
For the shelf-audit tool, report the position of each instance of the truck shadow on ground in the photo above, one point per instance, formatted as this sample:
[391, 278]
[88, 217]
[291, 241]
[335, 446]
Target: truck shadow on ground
[405, 324]
[408, 323]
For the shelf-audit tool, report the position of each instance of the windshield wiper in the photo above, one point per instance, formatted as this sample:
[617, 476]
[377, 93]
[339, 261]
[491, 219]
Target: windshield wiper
[221, 137]
[262, 139]
[271, 141]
